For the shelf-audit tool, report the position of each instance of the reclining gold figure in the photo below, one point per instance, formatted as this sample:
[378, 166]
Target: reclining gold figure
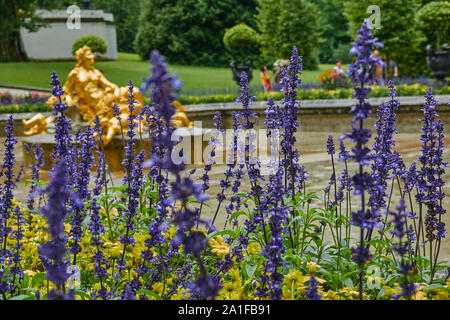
[88, 88]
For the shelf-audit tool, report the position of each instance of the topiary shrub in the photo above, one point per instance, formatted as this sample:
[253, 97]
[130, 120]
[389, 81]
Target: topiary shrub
[96, 43]
[240, 36]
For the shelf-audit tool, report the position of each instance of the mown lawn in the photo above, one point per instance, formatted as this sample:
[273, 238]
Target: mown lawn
[130, 67]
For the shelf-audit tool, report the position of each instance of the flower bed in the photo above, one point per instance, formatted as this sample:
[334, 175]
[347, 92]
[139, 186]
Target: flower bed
[317, 93]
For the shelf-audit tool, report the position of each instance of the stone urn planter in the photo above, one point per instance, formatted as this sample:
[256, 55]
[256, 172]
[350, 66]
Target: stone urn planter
[238, 69]
[438, 61]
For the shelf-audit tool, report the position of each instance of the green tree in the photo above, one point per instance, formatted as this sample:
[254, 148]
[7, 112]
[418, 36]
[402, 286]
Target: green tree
[126, 14]
[333, 29]
[398, 32]
[434, 21]
[190, 32]
[285, 23]
[14, 15]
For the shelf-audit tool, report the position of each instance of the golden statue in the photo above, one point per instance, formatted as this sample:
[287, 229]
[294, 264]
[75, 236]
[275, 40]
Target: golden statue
[180, 119]
[88, 88]
[37, 124]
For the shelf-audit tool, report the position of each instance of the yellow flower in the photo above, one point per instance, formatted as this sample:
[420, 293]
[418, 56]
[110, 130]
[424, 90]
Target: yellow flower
[67, 227]
[331, 295]
[420, 295]
[129, 263]
[15, 203]
[234, 273]
[158, 288]
[292, 283]
[312, 266]
[218, 247]
[115, 252]
[170, 233]
[181, 294]
[319, 280]
[437, 294]
[253, 247]
[29, 273]
[390, 291]
[230, 291]
[352, 293]
[377, 280]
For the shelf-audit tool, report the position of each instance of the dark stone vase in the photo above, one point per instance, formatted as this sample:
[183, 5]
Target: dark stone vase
[238, 69]
[438, 61]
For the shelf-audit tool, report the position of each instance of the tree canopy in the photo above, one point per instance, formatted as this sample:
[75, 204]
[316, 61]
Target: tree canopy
[191, 31]
[333, 28]
[14, 15]
[398, 32]
[126, 15]
[285, 23]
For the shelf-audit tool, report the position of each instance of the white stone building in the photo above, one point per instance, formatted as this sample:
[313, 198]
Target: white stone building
[54, 42]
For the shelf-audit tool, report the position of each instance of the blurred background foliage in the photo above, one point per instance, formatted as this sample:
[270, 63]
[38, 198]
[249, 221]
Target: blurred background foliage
[190, 32]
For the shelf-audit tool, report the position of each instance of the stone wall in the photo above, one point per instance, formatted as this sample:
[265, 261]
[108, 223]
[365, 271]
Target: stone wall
[54, 42]
[332, 114]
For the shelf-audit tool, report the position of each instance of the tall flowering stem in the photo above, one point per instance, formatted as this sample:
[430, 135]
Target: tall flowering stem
[331, 150]
[130, 180]
[429, 178]
[361, 74]
[385, 161]
[9, 185]
[401, 248]
[294, 174]
[248, 119]
[311, 291]
[101, 264]
[52, 252]
[63, 125]
[185, 218]
[234, 170]
[17, 235]
[215, 140]
[275, 248]
[290, 82]
[37, 163]
[81, 179]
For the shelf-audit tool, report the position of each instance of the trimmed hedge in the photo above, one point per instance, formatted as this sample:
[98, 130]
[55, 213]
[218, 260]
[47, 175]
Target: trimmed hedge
[96, 43]
[22, 108]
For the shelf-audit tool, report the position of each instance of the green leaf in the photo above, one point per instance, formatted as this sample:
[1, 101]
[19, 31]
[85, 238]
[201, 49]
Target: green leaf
[250, 269]
[229, 232]
[381, 293]
[29, 289]
[145, 291]
[239, 213]
[38, 278]
[347, 282]
[295, 219]
[435, 286]
[82, 294]
[25, 281]
[22, 297]
[240, 194]
[118, 204]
